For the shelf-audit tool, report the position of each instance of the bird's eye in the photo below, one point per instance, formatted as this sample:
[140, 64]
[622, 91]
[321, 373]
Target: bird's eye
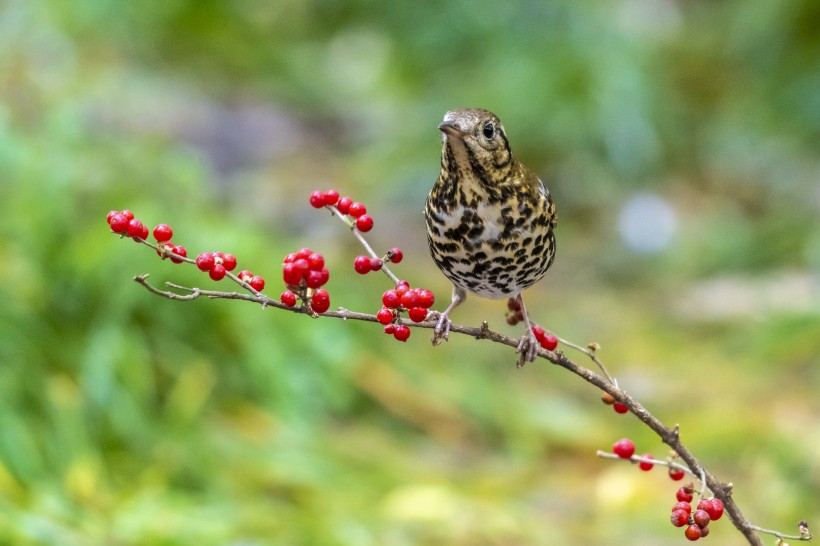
[489, 131]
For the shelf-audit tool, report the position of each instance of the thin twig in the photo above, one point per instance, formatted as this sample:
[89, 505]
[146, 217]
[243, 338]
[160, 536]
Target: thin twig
[805, 537]
[652, 461]
[363, 241]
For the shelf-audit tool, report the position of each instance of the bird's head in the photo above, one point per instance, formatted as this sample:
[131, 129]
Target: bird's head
[476, 138]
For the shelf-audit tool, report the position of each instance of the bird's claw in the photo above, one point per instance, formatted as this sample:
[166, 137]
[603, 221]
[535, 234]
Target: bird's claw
[527, 348]
[442, 330]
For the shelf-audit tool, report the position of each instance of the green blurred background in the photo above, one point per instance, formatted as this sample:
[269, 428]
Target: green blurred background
[679, 138]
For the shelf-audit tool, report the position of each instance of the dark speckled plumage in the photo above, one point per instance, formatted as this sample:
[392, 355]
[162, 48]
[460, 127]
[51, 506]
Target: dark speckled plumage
[490, 220]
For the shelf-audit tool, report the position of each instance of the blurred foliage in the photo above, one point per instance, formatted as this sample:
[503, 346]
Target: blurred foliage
[128, 419]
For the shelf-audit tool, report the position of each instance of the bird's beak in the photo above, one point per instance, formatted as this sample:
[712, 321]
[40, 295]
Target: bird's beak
[451, 129]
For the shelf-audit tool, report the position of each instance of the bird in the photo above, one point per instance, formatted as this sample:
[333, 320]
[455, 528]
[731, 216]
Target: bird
[490, 219]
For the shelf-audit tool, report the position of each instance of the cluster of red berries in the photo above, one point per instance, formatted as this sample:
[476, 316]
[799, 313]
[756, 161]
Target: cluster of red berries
[697, 523]
[609, 400]
[364, 264]
[515, 315]
[217, 264]
[257, 282]
[707, 510]
[415, 301]
[124, 223]
[345, 205]
[304, 273]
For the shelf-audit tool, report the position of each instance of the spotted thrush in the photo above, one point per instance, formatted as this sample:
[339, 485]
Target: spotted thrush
[490, 219]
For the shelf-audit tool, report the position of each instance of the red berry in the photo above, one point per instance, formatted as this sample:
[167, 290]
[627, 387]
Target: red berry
[301, 266]
[402, 287]
[344, 204]
[290, 258]
[391, 299]
[693, 532]
[701, 517]
[128, 214]
[394, 255]
[205, 261]
[111, 214]
[304, 253]
[644, 465]
[619, 408]
[143, 234]
[320, 301]
[325, 275]
[623, 448]
[163, 232]
[704, 531]
[425, 298]
[539, 333]
[679, 517]
[331, 197]
[291, 275]
[257, 283]
[375, 264]
[385, 315]
[316, 261]
[402, 332]
[676, 474]
[288, 298]
[315, 279]
[390, 329]
[244, 275]
[356, 209]
[417, 314]
[362, 265]
[364, 223]
[683, 495]
[229, 261]
[714, 508]
[550, 342]
[217, 272]
[317, 199]
[685, 506]
[118, 223]
[134, 228]
[179, 250]
[410, 299]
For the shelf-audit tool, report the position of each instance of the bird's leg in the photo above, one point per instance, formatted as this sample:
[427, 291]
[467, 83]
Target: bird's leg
[528, 346]
[442, 330]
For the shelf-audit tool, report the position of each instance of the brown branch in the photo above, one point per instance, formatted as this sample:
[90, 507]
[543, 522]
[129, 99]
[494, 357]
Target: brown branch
[605, 382]
[669, 436]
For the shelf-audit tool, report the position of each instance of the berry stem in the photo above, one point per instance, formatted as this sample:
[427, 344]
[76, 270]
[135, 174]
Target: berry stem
[639, 459]
[589, 350]
[363, 241]
[165, 252]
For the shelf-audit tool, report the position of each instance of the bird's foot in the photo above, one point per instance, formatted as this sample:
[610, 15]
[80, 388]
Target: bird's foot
[527, 348]
[442, 330]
